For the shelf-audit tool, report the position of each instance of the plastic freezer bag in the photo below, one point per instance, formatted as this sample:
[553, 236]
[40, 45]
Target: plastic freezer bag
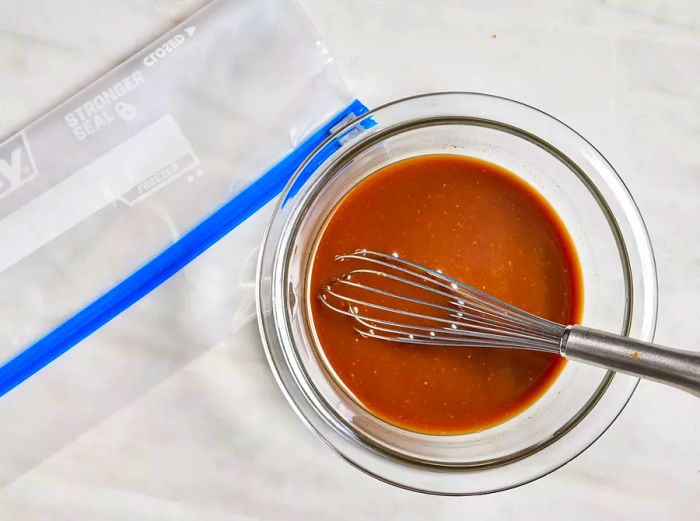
[113, 192]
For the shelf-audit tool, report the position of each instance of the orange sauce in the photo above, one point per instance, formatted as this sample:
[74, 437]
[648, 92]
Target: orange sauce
[481, 224]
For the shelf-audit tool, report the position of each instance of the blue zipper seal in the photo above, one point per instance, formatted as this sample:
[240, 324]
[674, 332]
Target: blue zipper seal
[175, 257]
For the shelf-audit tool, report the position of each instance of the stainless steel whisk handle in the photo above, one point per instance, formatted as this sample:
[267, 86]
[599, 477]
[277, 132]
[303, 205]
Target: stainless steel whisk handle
[665, 365]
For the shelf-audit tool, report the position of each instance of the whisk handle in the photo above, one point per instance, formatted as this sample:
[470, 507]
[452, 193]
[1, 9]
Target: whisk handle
[665, 365]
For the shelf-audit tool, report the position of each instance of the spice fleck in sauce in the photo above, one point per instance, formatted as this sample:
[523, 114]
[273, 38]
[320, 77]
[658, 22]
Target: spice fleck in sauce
[476, 222]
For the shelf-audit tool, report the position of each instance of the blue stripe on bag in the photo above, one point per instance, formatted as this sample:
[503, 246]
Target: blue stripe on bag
[171, 260]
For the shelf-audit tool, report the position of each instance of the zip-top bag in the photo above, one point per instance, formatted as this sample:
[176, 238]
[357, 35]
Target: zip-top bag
[111, 194]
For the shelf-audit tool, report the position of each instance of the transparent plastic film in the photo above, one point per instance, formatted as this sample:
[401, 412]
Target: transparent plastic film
[172, 156]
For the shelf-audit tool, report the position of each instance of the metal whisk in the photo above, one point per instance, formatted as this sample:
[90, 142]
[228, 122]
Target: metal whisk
[396, 300]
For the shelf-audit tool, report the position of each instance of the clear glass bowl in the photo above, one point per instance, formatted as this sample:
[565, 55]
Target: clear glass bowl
[619, 284]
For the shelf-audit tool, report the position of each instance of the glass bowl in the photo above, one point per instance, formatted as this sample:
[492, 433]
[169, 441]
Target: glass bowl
[618, 272]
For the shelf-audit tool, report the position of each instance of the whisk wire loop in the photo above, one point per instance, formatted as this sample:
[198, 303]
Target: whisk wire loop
[426, 307]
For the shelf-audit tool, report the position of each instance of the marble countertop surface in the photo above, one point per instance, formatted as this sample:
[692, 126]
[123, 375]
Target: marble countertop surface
[624, 73]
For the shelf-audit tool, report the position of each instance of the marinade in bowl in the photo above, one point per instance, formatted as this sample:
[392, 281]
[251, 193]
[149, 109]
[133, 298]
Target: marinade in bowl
[582, 230]
[478, 223]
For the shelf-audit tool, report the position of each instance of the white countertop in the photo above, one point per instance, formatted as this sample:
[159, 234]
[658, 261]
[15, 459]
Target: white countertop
[217, 440]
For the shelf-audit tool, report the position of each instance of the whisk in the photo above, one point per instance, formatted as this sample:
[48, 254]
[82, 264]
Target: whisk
[396, 300]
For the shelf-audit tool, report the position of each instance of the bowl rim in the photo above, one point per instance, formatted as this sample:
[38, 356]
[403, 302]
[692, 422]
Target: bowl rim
[269, 331]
